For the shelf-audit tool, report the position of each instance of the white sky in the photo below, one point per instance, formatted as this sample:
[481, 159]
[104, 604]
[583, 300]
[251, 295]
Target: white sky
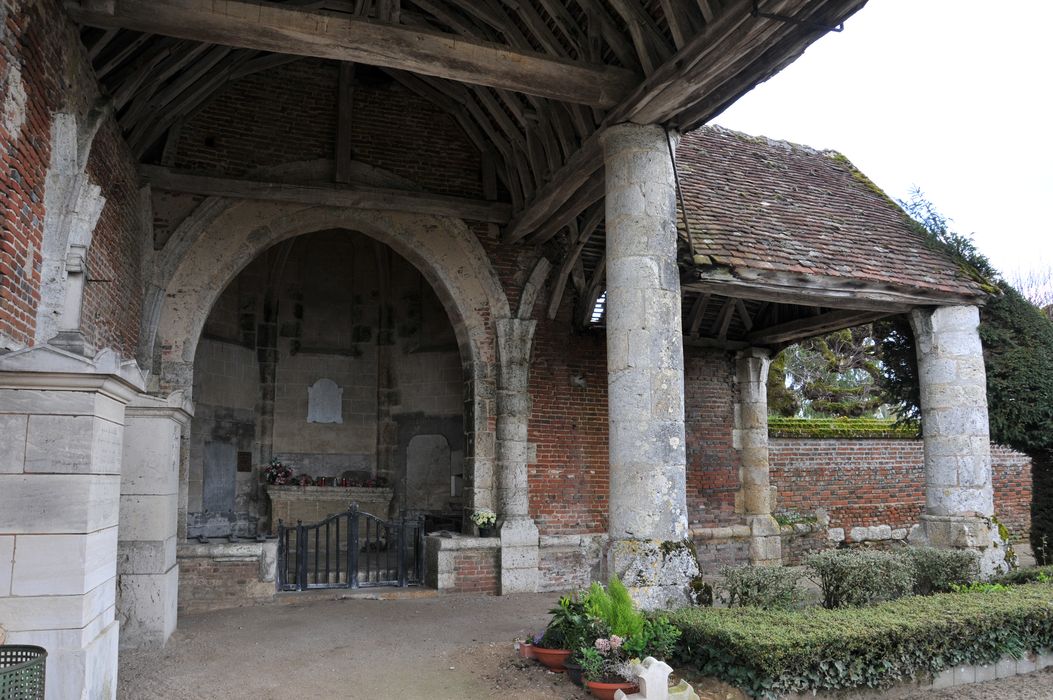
[954, 96]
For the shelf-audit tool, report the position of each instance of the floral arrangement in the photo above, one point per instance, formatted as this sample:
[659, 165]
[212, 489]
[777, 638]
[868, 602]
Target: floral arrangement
[277, 473]
[484, 517]
[607, 661]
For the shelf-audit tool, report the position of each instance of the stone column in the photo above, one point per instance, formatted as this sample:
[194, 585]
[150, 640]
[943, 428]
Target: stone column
[752, 441]
[148, 577]
[519, 534]
[952, 380]
[61, 430]
[645, 368]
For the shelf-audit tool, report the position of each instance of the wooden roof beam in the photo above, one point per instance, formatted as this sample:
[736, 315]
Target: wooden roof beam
[268, 26]
[332, 195]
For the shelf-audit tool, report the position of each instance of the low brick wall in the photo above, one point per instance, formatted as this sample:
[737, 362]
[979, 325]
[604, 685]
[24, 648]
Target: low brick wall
[460, 564]
[868, 482]
[217, 576]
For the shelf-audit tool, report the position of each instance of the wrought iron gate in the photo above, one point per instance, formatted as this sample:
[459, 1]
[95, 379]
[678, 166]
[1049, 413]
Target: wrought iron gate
[351, 550]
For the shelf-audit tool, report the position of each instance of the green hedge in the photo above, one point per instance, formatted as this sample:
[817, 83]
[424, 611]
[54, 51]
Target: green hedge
[839, 428]
[767, 653]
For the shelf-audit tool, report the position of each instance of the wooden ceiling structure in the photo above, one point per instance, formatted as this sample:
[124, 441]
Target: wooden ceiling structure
[532, 83]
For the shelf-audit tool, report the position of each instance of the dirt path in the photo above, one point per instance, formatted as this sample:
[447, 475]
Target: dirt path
[450, 647]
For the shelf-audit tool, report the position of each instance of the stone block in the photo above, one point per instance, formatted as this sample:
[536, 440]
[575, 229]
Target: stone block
[1005, 668]
[53, 612]
[7, 554]
[943, 679]
[137, 557]
[985, 672]
[836, 534]
[1026, 664]
[63, 564]
[150, 464]
[146, 608]
[147, 518]
[58, 503]
[73, 445]
[964, 674]
[858, 534]
[12, 443]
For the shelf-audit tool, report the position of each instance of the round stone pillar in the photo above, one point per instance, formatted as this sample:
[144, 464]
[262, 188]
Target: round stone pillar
[952, 381]
[645, 368]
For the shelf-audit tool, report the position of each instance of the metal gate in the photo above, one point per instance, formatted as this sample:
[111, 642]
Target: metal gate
[351, 550]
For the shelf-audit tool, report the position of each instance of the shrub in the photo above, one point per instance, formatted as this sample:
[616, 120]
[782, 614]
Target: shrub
[939, 570]
[615, 608]
[860, 577]
[768, 653]
[658, 639]
[772, 587]
[1032, 574]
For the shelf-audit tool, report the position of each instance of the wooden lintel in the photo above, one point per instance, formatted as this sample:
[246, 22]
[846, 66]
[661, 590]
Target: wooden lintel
[692, 341]
[817, 290]
[811, 326]
[331, 195]
[270, 26]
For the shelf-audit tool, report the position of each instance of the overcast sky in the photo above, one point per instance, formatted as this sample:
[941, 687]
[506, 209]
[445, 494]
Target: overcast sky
[953, 96]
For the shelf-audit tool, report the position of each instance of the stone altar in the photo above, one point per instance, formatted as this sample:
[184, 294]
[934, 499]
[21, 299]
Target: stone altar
[312, 504]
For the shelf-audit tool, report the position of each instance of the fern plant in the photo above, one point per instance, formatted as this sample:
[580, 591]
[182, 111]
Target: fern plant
[614, 606]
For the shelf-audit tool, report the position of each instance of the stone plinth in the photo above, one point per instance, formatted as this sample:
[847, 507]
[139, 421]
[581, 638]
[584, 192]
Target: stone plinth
[62, 419]
[645, 367]
[312, 504]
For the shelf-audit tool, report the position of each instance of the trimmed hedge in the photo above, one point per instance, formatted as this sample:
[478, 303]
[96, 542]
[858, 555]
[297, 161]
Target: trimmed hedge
[840, 428]
[767, 653]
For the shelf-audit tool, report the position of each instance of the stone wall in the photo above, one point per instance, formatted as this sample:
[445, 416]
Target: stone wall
[713, 463]
[339, 309]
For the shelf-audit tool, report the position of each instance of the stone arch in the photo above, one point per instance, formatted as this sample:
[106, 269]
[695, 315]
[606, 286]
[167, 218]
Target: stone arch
[445, 251]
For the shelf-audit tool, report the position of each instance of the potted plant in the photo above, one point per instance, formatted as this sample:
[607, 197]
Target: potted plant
[607, 669]
[484, 519]
[525, 647]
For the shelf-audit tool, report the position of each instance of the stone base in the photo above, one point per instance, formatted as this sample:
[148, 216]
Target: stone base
[146, 608]
[658, 574]
[765, 541]
[81, 663]
[964, 532]
[519, 556]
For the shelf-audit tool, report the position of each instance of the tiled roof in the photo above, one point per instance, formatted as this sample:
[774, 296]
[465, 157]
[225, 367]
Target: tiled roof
[771, 205]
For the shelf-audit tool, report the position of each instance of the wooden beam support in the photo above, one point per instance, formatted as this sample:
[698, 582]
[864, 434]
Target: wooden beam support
[358, 197]
[818, 290]
[268, 26]
[811, 326]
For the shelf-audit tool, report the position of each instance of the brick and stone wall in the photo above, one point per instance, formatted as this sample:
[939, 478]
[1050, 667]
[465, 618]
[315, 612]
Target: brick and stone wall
[44, 70]
[217, 576]
[869, 482]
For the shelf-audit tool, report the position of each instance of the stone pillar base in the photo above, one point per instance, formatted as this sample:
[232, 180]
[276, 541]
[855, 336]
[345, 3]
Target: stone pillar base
[519, 556]
[146, 605]
[765, 541]
[658, 574]
[964, 532]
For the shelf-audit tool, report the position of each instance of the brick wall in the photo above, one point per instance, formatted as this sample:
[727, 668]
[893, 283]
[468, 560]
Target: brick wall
[712, 462]
[865, 482]
[207, 583]
[289, 114]
[477, 571]
[43, 70]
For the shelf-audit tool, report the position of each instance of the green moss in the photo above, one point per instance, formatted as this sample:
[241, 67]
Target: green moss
[840, 428]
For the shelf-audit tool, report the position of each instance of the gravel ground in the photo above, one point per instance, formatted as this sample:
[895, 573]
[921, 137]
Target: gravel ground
[451, 647]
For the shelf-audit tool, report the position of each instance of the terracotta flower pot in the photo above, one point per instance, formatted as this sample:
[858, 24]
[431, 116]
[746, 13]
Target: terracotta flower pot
[553, 658]
[606, 691]
[526, 650]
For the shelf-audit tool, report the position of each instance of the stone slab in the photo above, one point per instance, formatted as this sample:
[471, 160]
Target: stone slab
[12, 443]
[147, 608]
[58, 503]
[63, 564]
